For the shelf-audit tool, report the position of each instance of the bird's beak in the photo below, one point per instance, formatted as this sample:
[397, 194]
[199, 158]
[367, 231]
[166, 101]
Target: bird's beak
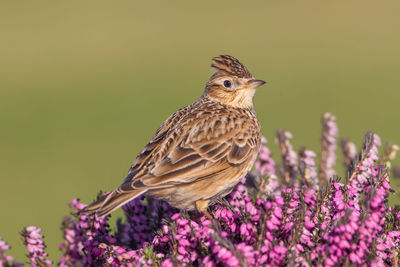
[253, 84]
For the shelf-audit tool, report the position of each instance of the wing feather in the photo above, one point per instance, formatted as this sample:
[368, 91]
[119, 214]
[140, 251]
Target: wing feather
[192, 146]
[238, 153]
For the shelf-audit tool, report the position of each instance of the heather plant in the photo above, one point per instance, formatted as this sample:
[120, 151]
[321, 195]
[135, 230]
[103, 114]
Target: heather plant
[288, 213]
[6, 260]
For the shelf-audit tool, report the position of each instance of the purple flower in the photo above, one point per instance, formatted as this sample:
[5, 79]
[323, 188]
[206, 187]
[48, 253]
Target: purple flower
[328, 156]
[6, 260]
[307, 168]
[277, 216]
[365, 167]
[35, 245]
[265, 166]
[289, 157]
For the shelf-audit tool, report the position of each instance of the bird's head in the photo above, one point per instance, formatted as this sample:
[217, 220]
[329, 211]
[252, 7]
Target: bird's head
[231, 84]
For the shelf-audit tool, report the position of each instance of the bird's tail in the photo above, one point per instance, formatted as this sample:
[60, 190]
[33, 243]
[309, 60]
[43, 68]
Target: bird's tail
[108, 203]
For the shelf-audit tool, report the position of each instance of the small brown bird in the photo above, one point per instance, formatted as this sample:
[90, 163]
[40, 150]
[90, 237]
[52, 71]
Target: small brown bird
[201, 151]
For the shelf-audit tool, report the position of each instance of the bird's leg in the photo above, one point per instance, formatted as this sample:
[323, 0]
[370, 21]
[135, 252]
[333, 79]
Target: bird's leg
[202, 205]
[208, 215]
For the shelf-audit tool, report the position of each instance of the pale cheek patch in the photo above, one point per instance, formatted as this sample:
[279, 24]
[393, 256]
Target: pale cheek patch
[244, 98]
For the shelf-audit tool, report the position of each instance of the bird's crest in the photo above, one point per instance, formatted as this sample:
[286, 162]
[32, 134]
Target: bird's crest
[228, 65]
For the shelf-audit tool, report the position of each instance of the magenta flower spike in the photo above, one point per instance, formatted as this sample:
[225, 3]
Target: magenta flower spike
[289, 156]
[36, 247]
[328, 140]
[265, 169]
[6, 260]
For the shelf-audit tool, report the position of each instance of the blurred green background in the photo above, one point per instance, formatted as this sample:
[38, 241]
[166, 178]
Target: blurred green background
[85, 84]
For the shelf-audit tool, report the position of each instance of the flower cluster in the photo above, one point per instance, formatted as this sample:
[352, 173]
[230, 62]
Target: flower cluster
[279, 215]
[289, 156]
[307, 168]
[6, 260]
[35, 245]
[265, 169]
[328, 140]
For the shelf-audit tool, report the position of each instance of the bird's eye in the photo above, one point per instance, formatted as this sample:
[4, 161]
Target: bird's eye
[227, 83]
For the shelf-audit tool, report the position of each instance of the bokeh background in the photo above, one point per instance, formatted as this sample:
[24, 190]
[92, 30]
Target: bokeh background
[85, 84]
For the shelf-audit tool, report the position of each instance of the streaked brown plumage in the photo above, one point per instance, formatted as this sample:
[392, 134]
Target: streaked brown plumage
[201, 151]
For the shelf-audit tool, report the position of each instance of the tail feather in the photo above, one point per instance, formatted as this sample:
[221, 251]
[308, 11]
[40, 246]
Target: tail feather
[107, 204]
[92, 208]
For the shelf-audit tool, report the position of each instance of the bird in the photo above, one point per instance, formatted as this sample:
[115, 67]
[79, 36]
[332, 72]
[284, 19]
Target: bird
[201, 151]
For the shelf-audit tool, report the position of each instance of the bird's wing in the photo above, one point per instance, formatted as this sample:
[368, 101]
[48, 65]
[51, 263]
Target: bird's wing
[155, 148]
[147, 158]
[193, 145]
